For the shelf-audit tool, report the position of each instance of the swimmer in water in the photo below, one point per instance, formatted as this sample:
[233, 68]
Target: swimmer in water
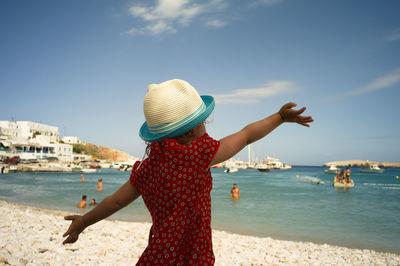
[93, 202]
[100, 185]
[82, 202]
[235, 192]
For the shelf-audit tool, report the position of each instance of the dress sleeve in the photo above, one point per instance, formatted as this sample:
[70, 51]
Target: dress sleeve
[209, 148]
[135, 177]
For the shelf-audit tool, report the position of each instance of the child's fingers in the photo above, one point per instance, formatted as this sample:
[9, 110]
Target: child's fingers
[68, 232]
[300, 111]
[304, 124]
[70, 239]
[305, 120]
[289, 105]
[69, 217]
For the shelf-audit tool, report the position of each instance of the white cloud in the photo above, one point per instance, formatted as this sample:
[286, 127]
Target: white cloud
[255, 95]
[380, 83]
[159, 27]
[167, 15]
[216, 23]
[393, 36]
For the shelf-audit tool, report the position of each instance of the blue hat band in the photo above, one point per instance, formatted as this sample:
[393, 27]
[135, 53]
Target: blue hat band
[170, 127]
[176, 129]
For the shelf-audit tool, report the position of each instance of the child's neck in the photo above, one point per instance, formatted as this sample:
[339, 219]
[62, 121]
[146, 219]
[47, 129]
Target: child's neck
[192, 134]
[186, 138]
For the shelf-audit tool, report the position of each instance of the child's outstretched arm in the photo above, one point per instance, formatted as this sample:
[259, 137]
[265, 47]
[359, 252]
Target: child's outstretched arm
[234, 143]
[125, 195]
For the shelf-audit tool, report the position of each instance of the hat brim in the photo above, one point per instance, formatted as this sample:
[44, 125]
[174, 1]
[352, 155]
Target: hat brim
[147, 135]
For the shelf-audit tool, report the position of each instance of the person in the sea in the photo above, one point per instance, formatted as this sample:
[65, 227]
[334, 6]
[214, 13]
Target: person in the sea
[348, 172]
[82, 202]
[93, 202]
[346, 177]
[340, 177]
[175, 179]
[99, 186]
[235, 192]
[82, 178]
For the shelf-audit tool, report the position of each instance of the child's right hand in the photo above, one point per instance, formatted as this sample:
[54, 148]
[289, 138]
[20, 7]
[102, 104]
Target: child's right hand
[75, 228]
[290, 115]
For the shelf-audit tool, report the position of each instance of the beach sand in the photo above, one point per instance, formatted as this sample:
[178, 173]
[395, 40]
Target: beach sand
[33, 236]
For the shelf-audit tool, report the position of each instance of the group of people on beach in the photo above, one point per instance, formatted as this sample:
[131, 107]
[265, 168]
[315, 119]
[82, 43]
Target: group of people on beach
[343, 176]
[99, 187]
[175, 180]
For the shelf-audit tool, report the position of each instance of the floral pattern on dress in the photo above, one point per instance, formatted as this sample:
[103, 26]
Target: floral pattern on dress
[175, 183]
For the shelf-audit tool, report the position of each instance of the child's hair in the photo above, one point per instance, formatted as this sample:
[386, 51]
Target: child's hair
[148, 143]
[84, 197]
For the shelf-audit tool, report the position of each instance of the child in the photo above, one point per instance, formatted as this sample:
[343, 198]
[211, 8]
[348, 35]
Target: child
[175, 180]
[93, 202]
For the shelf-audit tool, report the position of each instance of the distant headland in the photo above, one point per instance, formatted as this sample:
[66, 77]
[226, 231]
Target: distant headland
[361, 163]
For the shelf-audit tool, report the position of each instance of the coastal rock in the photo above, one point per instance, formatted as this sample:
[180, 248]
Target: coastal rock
[361, 163]
[101, 152]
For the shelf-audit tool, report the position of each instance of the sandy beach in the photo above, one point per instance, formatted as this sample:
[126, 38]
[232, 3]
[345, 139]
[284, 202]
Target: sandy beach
[33, 236]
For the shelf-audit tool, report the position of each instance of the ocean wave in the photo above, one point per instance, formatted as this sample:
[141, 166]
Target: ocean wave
[311, 179]
[383, 186]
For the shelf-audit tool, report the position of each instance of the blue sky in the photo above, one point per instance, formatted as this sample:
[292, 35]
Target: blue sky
[84, 66]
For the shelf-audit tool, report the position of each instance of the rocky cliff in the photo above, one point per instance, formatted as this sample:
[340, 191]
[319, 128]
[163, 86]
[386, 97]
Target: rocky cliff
[102, 153]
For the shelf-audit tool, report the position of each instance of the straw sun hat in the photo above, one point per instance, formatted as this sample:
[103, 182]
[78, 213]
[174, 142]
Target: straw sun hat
[172, 108]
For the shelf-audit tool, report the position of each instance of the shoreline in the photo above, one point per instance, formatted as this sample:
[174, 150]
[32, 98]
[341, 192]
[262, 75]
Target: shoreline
[33, 235]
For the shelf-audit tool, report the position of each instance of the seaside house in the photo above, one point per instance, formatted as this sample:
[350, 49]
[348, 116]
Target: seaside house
[71, 140]
[30, 140]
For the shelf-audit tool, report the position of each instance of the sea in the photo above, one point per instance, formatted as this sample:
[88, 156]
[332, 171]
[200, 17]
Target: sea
[299, 204]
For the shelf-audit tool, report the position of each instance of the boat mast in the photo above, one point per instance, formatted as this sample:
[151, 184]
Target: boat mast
[249, 151]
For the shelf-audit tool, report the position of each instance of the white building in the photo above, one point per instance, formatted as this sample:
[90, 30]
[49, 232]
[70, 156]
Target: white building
[71, 140]
[8, 130]
[63, 152]
[30, 140]
[39, 133]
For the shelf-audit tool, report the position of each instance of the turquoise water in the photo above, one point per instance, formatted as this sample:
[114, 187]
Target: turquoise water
[287, 205]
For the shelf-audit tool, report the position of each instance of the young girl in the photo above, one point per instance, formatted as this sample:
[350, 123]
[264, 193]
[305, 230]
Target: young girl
[175, 180]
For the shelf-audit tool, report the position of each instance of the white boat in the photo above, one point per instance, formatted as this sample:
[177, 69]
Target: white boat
[332, 169]
[231, 170]
[88, 170]
[4, 169]
[285, 167]
[338, 184]
[372, 168]
[262, 167]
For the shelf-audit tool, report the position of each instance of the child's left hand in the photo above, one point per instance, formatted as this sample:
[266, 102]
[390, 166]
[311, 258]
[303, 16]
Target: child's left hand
[290, 115]
[75, 228]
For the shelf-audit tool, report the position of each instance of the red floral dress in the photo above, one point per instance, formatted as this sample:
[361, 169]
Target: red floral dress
[175, 183]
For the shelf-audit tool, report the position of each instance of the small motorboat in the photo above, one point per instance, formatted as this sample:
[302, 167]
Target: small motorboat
[88, 170]
[262, 168]
[339, 184]
[231, 170]
[372, 168]
[332, 169]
